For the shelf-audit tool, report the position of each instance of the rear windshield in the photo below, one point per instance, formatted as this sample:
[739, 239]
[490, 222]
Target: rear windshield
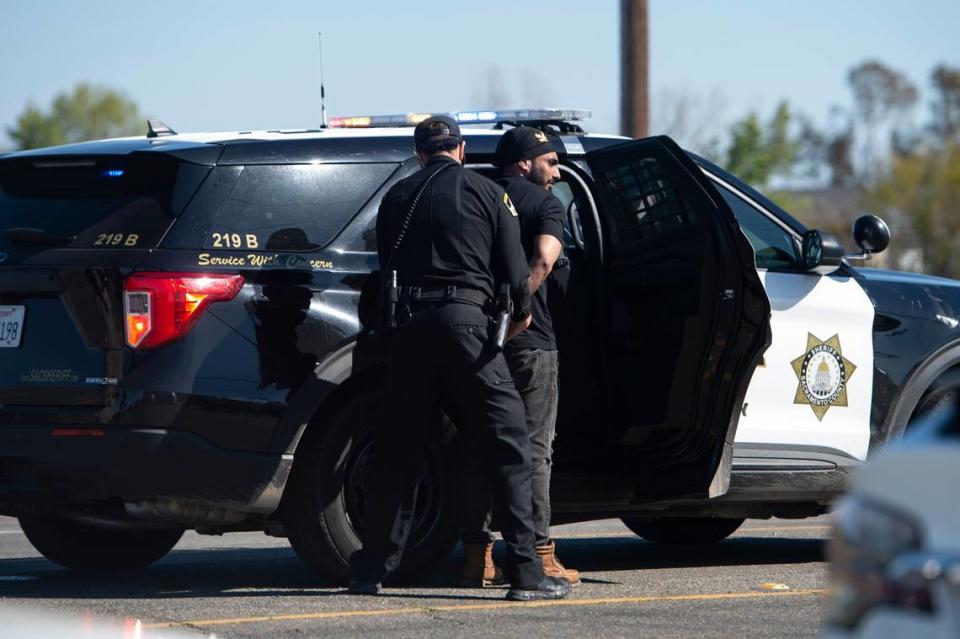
[126, 202]
[293, 207]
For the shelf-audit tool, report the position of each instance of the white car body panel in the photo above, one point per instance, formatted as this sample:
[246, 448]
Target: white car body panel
[805, 304]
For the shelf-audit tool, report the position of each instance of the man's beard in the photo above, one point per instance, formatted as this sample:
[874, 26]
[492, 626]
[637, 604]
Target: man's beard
[538, 178]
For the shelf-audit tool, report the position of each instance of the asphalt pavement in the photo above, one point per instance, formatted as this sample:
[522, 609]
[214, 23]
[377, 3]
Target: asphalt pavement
[767, 580]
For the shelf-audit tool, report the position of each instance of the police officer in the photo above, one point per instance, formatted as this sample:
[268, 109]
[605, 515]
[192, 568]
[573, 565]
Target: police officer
[450, 235]
[529, 167]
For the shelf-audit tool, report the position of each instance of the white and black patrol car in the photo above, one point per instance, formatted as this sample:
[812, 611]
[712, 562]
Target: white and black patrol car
[178, 330]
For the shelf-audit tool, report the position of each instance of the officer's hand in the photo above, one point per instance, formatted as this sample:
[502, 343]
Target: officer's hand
[519, 327]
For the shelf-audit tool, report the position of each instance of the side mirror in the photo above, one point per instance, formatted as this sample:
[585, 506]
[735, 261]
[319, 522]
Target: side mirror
[822, 252]
[871, 234]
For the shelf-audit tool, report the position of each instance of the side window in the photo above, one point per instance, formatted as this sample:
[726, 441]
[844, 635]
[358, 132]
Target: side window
[293, 207]
[773, 247]
[572, 228]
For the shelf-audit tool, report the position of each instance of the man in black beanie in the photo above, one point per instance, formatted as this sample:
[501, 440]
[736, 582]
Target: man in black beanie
[529, 167]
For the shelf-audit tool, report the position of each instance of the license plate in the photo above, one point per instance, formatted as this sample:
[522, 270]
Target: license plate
[11, 326]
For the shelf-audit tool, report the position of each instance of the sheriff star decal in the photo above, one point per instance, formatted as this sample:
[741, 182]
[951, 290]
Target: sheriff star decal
[823, 372]
[506, 200]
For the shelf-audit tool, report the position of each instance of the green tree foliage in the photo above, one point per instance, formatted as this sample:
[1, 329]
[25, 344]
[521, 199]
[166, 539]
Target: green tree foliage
[86, 113]
[922, 182]
[33, 130]
[914, 181]
[925, 187]
[760, 150]
[946, 104]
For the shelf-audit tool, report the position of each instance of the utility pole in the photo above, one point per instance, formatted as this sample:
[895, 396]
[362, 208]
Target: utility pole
[634, 75]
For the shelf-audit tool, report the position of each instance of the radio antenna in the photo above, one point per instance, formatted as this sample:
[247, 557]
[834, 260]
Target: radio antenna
[323, 95]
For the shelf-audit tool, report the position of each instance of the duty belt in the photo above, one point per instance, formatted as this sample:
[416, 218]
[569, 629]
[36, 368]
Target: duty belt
[415, 294]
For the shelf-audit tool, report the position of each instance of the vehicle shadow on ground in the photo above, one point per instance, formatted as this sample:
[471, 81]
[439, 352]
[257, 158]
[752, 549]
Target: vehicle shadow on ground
[270, 572]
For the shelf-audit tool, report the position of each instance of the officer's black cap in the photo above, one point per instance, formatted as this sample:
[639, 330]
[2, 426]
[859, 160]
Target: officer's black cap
[521, 143]
[435, 132]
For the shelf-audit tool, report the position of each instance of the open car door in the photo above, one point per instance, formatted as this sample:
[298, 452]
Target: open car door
[685, 320]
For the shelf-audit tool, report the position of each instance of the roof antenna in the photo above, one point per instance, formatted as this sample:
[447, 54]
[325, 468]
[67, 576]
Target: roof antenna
[323, 95]
[156, 128]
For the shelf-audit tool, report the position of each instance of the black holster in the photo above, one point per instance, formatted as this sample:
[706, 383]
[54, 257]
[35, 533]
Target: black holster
[502, 310]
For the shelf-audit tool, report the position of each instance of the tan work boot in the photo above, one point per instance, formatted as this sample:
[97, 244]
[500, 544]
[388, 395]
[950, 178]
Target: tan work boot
[552, 566]
[479, 571]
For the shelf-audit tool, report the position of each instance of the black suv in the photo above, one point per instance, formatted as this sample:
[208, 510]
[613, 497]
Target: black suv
[178, 321]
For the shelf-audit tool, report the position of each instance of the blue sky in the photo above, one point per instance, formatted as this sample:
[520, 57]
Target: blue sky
[216, 65]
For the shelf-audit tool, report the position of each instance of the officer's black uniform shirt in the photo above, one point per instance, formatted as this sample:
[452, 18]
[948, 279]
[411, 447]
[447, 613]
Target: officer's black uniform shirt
[541, 213]
[464, 233]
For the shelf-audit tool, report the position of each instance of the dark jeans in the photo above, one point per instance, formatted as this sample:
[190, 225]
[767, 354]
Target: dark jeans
[440, 360]
[535, 373]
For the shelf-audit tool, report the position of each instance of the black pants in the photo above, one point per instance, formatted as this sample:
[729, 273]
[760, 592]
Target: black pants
[439, 360]
[535, 373]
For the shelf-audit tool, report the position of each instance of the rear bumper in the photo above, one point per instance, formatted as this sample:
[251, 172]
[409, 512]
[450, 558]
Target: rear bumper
[39, 469]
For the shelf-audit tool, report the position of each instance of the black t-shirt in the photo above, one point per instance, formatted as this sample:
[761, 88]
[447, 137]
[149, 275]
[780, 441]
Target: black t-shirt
[464, 232]
[541, 213]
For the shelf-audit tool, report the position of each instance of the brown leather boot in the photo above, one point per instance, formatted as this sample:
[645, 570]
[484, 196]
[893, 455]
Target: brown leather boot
[552, 566]
[479, 571]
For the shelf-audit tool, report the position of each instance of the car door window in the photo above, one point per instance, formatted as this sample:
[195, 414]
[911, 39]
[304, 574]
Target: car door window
[572, 228]
[773, 246]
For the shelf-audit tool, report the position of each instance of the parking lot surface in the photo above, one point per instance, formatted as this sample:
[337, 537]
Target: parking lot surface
[767, 580]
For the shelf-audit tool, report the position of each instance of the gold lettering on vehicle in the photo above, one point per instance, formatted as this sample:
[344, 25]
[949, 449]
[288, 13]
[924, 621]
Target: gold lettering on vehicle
[256, 260]
[117, 239]
[235, 240]
[205, 259]
[262, 260]
[299, 261]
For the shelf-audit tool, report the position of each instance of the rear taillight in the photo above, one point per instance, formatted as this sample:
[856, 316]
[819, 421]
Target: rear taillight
[162, 307]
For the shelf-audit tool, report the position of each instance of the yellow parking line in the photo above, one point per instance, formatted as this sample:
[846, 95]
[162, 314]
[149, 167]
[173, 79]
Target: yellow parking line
[498, 605]
[756, 529]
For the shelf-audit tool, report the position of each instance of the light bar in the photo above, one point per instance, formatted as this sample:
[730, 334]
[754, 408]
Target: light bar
[520, 115]
[368, 121]
[351, 122]
[463, 117]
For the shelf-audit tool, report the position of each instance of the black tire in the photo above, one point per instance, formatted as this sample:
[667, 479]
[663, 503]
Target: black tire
[89, 548]
[684, 531]
[323, 505]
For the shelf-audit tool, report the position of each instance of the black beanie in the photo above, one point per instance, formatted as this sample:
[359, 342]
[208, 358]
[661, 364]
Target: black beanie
[521, 143]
